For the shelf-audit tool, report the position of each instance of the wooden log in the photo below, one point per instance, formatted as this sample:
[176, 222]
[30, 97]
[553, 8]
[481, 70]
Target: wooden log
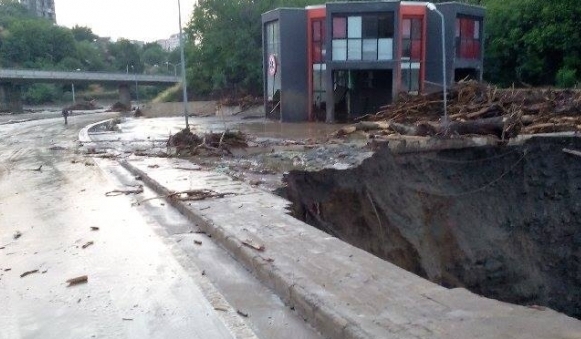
[371, 125]
[488, 111]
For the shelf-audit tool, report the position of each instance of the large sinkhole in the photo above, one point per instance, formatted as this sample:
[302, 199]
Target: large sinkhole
[503, 222]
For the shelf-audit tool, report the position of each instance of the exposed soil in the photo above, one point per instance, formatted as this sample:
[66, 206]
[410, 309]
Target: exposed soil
[504, 222]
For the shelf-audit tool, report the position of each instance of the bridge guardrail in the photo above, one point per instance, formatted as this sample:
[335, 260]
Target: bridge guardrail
[31, 75]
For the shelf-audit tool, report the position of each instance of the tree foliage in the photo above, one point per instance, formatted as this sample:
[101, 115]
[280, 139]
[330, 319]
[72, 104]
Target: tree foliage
[530, 41]
[225, 44]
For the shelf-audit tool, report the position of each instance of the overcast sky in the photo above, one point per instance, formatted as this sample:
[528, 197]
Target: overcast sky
[145, 20]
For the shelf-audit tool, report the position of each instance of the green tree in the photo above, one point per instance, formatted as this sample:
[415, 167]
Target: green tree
[81, 33]
[36, 43]
[225, 42]
[529, 41]
[125, 56]
[153, 54]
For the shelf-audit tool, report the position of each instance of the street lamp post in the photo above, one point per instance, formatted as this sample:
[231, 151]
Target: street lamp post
[184, 84]
[432, 7]
[175, 66]
[73, 88]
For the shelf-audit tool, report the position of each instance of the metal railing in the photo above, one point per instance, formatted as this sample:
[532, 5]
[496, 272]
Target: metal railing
[25, 75]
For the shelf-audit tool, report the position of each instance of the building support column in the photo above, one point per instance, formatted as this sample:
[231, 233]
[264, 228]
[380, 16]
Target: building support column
[330, 93]
[125, 95]
[10, 97]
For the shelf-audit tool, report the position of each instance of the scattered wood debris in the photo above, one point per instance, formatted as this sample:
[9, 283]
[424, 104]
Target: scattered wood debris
[78, 280]
[198, 242]
[119, 107]
[137, 190]
[189, 195]
[28, 273]
[17, 235]
[94, 228]
[476, 108]
[83, 106]
[249, 243]
[221, 309]
[210, 144]
[87, 244]
[243, 314]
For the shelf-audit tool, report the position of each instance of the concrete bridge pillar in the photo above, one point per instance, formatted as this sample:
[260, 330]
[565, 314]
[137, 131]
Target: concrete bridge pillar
[10, 97]
[125, 95]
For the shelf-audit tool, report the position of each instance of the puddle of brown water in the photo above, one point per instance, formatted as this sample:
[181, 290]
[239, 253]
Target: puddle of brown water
[285, 130]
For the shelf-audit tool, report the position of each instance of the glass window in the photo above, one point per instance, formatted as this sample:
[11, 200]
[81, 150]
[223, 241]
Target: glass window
[412, 38]
[340, 49]
[406, 28]
[385, 26]
[339, 28]
[370, 49]
[354, 49]
[370, 25]
[317, 30]
[363, 35]
[410, 79]
[468, 42]
[354, 27]
[385, 49]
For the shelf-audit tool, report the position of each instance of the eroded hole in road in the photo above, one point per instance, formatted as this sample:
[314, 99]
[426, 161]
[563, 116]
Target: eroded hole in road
[503, 222]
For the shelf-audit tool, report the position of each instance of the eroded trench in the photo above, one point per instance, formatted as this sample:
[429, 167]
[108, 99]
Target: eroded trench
[501, 221]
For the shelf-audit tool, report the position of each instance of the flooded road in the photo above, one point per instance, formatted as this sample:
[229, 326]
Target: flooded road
[145, 276]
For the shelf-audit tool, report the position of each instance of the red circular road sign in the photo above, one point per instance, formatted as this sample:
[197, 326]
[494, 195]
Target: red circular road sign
[272, 66]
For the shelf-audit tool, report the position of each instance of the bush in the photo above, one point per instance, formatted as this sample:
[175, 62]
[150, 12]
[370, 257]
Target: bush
[566, 77]
[40, 94]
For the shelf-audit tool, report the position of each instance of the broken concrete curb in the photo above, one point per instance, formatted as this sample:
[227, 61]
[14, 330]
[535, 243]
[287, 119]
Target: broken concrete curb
[84, 133]
[323, 317]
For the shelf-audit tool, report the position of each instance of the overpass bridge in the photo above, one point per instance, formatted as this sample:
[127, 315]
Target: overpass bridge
[11, 81]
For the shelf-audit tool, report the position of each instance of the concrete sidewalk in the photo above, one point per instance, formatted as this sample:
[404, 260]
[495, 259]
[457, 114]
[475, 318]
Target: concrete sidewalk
[342, 291]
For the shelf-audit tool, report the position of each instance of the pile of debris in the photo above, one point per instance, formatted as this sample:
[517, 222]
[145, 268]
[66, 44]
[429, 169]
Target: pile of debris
[242, 102]
[83, 106]
[210, 144]
[119, 107]
[477, 108]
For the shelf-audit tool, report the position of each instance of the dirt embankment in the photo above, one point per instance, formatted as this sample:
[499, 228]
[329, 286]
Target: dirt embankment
[504, 222]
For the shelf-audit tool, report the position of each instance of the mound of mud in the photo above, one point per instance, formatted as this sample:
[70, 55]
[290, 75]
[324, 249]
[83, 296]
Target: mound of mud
[503, 222]
[119, 107]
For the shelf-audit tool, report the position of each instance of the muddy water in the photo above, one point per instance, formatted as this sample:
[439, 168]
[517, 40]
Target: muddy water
[274, 129]
[504, 222]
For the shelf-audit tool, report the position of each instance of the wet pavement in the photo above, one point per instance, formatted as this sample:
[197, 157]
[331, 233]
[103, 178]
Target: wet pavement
[343, 291]
[147, 277]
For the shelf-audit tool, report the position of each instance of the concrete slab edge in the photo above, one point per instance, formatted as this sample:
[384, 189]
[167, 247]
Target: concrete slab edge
[84, 133]
[323, 317]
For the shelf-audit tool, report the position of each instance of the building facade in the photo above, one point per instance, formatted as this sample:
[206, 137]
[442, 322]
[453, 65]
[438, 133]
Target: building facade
[41, 8]
[341, 60]
[170, 44]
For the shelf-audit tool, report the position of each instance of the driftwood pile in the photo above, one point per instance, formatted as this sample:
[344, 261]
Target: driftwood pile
[477, 108]
[83, 106]
[210, 144]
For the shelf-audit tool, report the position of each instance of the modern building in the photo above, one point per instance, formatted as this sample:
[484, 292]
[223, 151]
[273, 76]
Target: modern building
[41, 8]
[170, 44]
[342, 60]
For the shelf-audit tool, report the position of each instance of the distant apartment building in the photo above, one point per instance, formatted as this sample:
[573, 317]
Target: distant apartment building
[170, 44]
[41, 8]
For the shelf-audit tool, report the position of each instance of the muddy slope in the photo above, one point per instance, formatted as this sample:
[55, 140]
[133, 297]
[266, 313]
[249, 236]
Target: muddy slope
[504, 222]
